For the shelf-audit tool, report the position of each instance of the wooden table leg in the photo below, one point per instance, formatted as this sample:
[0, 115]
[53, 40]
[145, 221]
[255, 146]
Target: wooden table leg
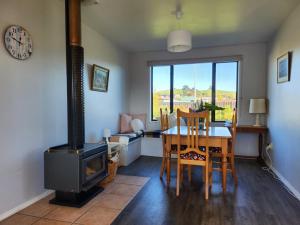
[168, 155]
[224, 163]
[163, 164]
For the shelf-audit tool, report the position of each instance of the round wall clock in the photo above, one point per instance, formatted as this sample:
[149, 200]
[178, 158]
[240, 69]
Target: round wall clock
[18, 42]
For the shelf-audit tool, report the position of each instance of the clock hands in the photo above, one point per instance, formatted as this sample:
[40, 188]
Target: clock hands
[20, 43]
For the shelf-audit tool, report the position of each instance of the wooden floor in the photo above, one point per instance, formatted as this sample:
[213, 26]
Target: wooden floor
[258, 199]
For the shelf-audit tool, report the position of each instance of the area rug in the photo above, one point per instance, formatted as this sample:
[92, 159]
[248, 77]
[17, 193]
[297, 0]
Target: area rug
[102, 210]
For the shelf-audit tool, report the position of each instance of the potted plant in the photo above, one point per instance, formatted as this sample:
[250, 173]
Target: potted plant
[200, 107]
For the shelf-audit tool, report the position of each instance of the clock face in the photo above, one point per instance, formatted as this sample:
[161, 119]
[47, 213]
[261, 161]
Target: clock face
[18, 42]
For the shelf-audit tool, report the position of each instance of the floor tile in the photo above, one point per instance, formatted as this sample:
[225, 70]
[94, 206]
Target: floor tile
[111, 201]
[98, 216]
[67, 214]
[101, 210]
[123, 179]
[51, 222]
[19, 219]
[123, 189]
[106, 185]
[39, 209]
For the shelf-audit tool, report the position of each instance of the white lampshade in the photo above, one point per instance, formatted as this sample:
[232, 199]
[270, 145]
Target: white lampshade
[257, 106]
[179, 41]
[106, 133]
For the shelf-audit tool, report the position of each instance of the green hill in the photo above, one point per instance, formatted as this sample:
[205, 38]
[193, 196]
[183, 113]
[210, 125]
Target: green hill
[221, 94]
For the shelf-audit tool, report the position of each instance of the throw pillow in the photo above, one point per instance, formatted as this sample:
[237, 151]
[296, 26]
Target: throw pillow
[137, 125]
[173, 120]
[142, 117]
[182, 121]
[125, 126]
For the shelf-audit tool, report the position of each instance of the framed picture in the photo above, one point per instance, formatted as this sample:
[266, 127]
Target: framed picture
[100, 78]
[284, 68]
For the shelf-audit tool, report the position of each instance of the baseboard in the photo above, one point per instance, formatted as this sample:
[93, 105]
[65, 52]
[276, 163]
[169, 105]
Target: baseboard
[24, 205]
[285, 181]
[245, 157]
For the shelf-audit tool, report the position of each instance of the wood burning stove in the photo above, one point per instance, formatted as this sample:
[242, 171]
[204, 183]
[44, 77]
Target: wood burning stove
[75, 174]
[74, 170]
[94, 166]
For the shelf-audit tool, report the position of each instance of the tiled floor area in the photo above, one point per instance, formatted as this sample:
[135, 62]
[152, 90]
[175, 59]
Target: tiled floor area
[101, 210]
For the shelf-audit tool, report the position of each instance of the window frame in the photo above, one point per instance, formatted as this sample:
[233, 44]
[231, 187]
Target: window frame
[213, 90]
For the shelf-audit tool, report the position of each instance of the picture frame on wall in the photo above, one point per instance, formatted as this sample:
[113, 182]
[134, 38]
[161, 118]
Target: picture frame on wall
[284, 68]
[100, 78]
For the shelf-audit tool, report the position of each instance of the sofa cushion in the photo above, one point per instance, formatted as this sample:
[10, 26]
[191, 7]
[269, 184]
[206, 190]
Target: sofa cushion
[142, 117]
[137, 125]
[173, 120]
[125, 126]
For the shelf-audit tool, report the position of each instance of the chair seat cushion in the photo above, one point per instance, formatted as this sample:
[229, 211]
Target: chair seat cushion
[219, 150]
[215, 150]
[174, 148]
[192, 156]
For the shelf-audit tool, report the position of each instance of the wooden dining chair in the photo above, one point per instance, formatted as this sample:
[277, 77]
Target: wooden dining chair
[194, 153]
[216, 153]
[164, 125]
[164, 119]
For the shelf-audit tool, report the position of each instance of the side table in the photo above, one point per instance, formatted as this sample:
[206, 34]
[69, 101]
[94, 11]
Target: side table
[261, 131]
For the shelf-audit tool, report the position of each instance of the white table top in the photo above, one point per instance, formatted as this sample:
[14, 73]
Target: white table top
[212, 132]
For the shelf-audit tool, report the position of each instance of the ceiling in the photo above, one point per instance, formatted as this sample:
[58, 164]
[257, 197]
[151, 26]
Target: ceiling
[143, 25]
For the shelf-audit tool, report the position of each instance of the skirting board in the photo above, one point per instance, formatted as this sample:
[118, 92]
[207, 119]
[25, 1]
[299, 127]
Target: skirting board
[24, 205]
[285, 182]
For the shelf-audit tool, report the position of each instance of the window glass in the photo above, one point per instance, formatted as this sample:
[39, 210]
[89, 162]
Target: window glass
[160, 90]
[192, 82]
[195, 82]
[226, 83]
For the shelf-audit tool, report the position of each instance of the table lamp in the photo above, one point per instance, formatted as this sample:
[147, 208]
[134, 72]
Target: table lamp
[106, 134]
[257, 106]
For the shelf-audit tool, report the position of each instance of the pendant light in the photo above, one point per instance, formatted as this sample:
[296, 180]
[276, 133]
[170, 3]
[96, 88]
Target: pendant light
[179, 40]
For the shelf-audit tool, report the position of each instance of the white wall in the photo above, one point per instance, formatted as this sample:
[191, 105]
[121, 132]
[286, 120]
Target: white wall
[32, 99]
[33, 104]
[252, 83]
[103, 109]
[284, 119]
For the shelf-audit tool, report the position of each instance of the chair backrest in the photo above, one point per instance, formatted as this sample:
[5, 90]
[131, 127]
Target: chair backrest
[193, 144]
[164, 119]
[191, 110]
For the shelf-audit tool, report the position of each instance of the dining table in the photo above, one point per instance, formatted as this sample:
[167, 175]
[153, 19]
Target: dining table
[218, 137]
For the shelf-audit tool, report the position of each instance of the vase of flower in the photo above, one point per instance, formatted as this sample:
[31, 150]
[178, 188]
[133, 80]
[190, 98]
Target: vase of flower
[200, 107]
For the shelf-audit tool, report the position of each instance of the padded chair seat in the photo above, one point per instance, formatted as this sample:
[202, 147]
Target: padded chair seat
[219, 150]
[215, 150]
[174, 148]
[192, 156]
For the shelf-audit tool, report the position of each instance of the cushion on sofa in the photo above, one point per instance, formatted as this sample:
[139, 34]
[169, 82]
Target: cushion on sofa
[137, 125]
[142, 117]
[173, 120]
[125, 120]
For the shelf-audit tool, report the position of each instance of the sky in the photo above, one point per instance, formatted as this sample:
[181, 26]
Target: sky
[198, 74]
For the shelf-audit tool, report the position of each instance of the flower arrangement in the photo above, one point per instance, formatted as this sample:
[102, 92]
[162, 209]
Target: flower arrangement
[200, 106]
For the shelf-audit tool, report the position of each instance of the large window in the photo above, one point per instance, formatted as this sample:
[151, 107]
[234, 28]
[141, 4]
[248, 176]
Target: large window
[179, 86]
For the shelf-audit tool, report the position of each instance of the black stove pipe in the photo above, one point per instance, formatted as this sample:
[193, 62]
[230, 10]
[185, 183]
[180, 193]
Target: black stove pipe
[75, 65]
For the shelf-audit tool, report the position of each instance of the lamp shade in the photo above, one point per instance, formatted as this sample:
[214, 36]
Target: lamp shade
[179, 41]
[106, 133]
[257, 105]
